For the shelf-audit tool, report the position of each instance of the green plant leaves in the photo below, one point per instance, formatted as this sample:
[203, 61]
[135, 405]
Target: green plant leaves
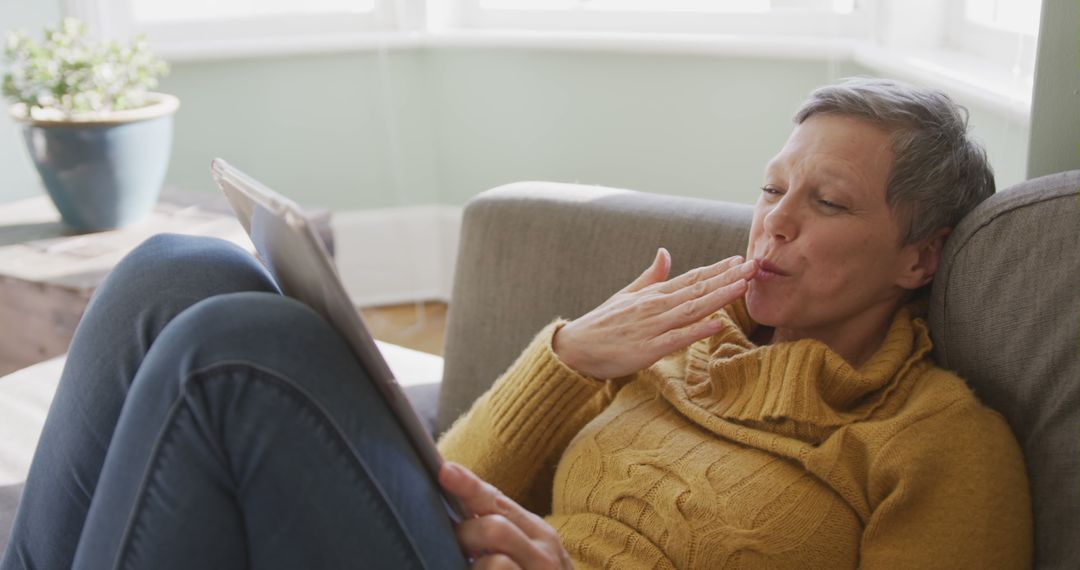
[73, 74]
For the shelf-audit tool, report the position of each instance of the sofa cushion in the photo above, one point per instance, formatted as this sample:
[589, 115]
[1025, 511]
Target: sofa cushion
[1005, 315]
[25, 396]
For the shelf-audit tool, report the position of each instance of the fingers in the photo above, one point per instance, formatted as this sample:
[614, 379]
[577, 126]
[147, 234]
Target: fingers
[689, 305]
[491, 534]
[661, 266]
[476, 495]
[482, 498]
[496, 561]
[709, 285]
[680, 338]
[698, 297]
[500, 532]
[700, 274]
[655, 273]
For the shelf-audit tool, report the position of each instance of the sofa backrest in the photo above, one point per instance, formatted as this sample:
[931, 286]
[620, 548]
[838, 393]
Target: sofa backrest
[532, 251]
[1005, 315]
[1004, 310]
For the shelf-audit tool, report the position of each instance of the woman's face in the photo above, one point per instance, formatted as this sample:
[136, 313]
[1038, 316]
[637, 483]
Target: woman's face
[830, 246]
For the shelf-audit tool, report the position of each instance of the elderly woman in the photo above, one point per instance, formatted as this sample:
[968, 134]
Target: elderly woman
[779, 410]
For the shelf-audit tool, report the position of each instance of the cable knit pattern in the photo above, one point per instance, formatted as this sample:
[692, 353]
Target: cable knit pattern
[730, 455]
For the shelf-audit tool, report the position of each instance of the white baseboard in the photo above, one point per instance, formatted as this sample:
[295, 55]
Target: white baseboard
[397, 255]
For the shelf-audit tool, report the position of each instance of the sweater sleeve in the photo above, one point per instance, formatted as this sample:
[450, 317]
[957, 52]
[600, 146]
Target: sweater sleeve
[950, 492]
[514, 434]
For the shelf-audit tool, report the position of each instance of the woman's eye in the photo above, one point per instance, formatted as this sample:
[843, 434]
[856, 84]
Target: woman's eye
[770, 190]
[831, 205]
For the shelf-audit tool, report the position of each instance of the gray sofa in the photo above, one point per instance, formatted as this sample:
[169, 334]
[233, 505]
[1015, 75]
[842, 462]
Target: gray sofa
[1005, 309]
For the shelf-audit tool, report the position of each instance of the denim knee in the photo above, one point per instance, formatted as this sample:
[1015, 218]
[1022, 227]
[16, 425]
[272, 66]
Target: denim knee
[265, 330]
[194, 267]
[159, 279]
[277, 335]
[222, 347]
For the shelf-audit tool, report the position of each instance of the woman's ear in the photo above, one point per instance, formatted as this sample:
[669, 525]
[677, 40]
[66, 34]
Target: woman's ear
[924, 258]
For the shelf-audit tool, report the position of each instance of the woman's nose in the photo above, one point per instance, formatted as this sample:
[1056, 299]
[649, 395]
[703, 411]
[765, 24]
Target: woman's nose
[782, 221]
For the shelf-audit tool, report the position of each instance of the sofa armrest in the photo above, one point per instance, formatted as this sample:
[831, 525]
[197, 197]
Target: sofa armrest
[419, 375]
[1003, 315]
[532, 251]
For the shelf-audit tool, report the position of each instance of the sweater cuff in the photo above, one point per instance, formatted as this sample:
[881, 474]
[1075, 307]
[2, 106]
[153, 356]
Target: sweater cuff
[539, 397]
[515, 433]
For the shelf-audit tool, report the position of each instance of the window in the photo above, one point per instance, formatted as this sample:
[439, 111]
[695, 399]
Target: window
[726, 6]
[204, 27]
[984, 46]
[1003, 31]
[148, 11]
[764, 17]
[1017, 16]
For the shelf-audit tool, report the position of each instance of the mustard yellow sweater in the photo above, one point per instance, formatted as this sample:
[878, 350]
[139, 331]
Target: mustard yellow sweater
[730, 455]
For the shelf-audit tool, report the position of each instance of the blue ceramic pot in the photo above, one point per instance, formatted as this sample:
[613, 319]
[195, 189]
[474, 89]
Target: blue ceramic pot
[103, 173]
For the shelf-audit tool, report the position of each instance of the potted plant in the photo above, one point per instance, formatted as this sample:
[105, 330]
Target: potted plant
[99, 138]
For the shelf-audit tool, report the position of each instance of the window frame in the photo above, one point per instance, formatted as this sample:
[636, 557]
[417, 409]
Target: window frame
[471, 15]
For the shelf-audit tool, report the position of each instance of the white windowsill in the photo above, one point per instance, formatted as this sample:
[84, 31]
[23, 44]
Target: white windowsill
[961, 74]
[966, 76]
[798, 48]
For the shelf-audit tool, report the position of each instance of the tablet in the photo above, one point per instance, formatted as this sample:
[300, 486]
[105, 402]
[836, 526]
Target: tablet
[289, 247]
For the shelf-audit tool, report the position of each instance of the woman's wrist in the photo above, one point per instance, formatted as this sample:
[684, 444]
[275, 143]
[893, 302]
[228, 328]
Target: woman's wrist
[565, 353]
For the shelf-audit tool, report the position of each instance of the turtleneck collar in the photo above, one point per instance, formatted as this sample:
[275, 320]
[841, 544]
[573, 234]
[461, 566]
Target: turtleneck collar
[800, 388]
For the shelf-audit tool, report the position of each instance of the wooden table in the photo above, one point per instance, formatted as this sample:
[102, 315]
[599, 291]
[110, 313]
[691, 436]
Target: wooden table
[47, 274]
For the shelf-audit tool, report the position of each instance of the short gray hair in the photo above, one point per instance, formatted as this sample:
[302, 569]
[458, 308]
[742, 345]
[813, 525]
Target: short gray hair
[939, 173]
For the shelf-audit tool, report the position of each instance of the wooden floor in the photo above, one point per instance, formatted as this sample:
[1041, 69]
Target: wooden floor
[419, 326]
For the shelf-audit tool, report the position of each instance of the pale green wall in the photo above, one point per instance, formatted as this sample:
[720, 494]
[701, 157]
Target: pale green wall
[699, 126]
[316, 127]
[18, 179]
[1006, 141]
[361, 130]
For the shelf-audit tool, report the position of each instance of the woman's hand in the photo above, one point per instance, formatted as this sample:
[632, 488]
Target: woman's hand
[500, 533]
[651, 317]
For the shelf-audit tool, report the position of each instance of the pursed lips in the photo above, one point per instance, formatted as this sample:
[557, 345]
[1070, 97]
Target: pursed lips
[768, 270]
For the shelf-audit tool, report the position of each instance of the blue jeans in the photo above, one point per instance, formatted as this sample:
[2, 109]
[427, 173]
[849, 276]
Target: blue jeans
[204, 420]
